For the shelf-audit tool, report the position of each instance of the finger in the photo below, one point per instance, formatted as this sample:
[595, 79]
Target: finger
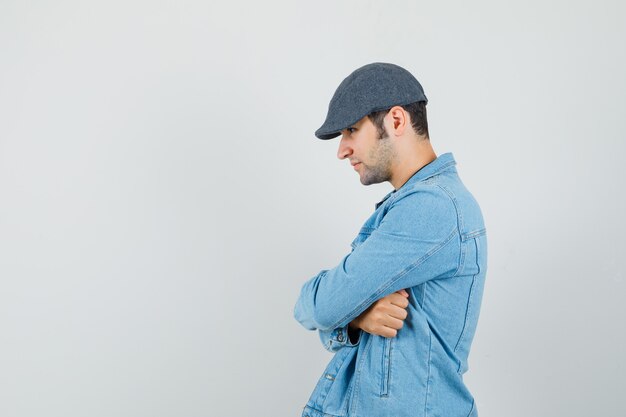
[398, 300]
[393, 323]
[378, 329]
[403, 293]
[387, 332]
[397, 313]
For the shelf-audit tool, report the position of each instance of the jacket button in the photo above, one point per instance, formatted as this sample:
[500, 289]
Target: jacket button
[340, 337]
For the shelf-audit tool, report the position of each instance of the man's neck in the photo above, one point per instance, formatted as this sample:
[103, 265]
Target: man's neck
[409, 166]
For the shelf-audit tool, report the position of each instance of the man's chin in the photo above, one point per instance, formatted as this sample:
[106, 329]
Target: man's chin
[370, 181]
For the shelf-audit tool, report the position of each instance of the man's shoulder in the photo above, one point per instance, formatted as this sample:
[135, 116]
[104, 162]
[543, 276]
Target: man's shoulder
[445, 188]
[438, 205]
[424, 208]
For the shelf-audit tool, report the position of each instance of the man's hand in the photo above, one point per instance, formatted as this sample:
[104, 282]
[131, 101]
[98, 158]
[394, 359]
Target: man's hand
[385, 317]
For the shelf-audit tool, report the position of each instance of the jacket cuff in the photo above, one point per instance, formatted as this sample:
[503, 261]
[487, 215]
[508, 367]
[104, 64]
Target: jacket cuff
[335, 339]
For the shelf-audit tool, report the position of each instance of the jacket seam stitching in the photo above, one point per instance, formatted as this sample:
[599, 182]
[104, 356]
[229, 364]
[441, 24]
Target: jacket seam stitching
[467, 311]
[469, 302]
[474, 234]
[460, 225]
[430, 343]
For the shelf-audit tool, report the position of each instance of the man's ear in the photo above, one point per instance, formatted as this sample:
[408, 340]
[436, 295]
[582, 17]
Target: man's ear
[397, 120]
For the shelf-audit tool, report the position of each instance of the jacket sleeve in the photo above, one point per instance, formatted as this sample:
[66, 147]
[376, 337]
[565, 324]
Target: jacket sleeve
[416, 241]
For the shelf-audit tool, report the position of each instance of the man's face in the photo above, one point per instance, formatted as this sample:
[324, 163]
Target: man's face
[370, 154]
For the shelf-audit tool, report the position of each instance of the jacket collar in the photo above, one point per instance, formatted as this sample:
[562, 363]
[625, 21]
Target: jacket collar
[437, 166]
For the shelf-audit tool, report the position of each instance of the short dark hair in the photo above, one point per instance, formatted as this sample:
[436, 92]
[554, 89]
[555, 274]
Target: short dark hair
[417, 113]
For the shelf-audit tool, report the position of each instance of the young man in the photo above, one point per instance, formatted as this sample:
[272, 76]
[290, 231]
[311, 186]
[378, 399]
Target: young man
[400, 310]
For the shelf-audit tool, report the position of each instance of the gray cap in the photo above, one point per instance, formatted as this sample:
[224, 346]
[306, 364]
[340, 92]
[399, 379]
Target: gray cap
[371, 88]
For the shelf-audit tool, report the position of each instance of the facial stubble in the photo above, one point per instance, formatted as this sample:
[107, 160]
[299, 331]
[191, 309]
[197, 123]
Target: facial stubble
[382, 156]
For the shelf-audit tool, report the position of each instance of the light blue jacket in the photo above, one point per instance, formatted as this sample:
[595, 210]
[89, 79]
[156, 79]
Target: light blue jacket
[427, 237]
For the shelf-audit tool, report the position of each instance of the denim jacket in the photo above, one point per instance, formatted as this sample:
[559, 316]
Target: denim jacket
[427, 237]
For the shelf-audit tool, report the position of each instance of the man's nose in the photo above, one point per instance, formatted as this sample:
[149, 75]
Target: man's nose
[344, 150]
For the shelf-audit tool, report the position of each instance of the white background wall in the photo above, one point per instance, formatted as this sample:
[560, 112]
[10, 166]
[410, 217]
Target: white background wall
[163, 198]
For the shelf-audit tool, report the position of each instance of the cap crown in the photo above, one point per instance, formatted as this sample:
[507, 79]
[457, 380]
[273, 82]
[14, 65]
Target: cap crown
[371, 88]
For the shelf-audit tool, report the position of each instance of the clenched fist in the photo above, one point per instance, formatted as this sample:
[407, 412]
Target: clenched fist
[385, 317]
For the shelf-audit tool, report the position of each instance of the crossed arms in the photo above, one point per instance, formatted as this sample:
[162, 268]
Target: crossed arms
[405, 250]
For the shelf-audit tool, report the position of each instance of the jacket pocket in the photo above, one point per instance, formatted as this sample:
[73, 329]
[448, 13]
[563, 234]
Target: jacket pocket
[386, 367]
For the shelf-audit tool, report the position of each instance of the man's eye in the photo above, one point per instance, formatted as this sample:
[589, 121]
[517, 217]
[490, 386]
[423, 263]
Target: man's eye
[351, 129]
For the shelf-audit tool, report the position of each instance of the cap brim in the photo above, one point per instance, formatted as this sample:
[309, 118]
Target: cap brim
[326, 136]
[332, 128]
